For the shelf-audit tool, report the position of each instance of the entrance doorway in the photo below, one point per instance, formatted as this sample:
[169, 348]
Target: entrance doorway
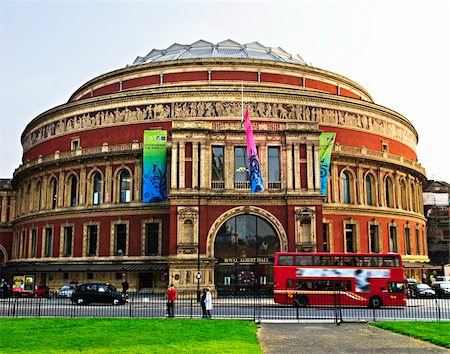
[244, 247]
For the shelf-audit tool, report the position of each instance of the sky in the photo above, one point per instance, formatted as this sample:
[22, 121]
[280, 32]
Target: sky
[397, 50]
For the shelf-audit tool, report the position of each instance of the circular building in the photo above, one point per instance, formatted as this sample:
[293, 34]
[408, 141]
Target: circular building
[142, 174]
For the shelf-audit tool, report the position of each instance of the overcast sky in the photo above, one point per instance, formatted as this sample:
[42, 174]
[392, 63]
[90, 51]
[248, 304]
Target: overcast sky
[397, 50]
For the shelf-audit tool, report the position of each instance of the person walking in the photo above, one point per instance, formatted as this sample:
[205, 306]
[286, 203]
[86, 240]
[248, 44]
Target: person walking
[125, 287]
[171, 297]
[208, 303]
[203, 304]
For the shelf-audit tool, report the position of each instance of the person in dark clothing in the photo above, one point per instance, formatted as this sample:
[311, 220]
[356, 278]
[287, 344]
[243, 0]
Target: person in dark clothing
[203, 304]
[125, 286]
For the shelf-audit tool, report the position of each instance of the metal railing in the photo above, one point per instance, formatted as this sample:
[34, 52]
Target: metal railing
[251, 306]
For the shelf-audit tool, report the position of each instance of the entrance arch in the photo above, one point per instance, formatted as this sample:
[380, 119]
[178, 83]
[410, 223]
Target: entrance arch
[243, 241]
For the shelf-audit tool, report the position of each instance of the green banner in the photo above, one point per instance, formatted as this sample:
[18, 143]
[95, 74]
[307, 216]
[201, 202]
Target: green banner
[154, 166]
[326, 146]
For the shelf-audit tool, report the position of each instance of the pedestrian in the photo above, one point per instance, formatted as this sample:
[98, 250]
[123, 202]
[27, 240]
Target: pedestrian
[424, 278]
[208, 303]
[432, 277]
[125, 287]
[171, 297]
[5, 288]
[203, 304]
[1, 287]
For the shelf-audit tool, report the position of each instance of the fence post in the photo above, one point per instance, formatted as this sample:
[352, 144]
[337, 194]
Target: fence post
[438, 309]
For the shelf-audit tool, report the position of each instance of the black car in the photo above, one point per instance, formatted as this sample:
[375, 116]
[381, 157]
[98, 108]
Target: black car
[100, 293]
[442, 289]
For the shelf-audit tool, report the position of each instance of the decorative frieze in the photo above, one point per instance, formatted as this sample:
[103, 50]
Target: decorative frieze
[181, 110]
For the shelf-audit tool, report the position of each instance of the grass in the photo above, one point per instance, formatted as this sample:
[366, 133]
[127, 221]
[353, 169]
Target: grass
[434, 332]
[112, 335]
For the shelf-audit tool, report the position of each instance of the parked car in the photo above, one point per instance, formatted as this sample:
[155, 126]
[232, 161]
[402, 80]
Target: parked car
[100, 293]
[424, 291]
[442, 290]
[442, 279]
[41, 291]
[65, 291]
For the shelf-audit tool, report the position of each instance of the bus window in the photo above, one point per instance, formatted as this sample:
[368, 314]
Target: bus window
[343, 285]
[367, 261]
[285, 260]
[350, 261]
[303, 285]
[290, 283]
[303, 260]
[391, 262]
[323, 260]
[395, 287]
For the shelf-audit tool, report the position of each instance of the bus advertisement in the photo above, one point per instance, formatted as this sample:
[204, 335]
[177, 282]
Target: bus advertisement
[343, 279]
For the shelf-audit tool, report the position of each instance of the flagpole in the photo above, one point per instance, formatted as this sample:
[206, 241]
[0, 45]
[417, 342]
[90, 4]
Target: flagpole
[242, 101]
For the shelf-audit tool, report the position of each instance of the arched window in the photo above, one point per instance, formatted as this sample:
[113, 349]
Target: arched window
[345, 187]
[125, 187]
[389, 192]
[403, 195]
[97, 188]
[413, 197]
[73, 191]
[53, 193]
[38, 196]
[370, 188]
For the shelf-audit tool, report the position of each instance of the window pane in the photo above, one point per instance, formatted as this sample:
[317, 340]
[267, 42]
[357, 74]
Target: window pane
[369, 187]
[73, 191]
[97, 189]
[218, 163]
[274, 164]
[121, 239]
[68, 241]
[345, 187]
[350, 238]
[151, 238]
[92, 240]
[125, 192]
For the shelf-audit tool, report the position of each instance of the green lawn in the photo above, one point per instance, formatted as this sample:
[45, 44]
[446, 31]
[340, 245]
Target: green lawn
[433, 332]
[98, 335]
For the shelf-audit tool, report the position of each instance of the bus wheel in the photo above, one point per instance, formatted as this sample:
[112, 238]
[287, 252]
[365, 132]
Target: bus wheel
[375, 302]
[301, 301]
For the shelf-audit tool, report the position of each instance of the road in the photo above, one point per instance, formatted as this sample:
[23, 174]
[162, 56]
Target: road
[247, 308]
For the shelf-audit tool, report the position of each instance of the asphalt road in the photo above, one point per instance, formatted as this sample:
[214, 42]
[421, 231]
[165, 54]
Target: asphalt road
[287, 338]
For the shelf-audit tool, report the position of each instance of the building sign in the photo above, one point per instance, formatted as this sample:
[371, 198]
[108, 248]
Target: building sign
[154, 166]
[246, 260]
[326, 146]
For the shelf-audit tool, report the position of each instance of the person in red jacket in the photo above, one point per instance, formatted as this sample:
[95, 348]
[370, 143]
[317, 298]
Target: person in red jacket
[171, 297]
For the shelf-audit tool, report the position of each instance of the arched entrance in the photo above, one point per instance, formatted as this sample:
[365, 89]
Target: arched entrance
[244, 246]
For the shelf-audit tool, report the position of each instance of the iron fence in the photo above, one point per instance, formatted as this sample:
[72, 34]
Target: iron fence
[251, 306]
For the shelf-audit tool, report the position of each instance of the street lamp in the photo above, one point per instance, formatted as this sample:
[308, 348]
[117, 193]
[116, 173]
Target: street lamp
[198, 276]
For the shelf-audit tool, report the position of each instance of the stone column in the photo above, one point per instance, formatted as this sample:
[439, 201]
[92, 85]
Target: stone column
[296, 167]
[60, 200]
[317, 166]
[137, 180]
[108, 182]
[335, 182]
[360, 184]
[203, 166]
[229, 167]
[195, 176]
[82, 191]
[309, 167]
[288, 159]
[4, 206]
[181, 170]
[174, 169]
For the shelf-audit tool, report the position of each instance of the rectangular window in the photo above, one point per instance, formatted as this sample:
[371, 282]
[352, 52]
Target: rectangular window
[392, 238]
[407, 240]
[33, 243]
[326, 238]
[120, 247]
[240, 168]
[48, 240]
[218, 168]
[23, 243]
[151, 239]
[75, 144]
[373, 235]
[68, 235]
[274, 167]
[350, 244]
[92, 235]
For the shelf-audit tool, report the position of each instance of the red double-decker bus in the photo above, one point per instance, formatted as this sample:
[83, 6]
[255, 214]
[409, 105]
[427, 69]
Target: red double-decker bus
[346, 279]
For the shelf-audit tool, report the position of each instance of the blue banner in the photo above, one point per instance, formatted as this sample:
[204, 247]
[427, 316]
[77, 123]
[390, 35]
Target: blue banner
[154, 166]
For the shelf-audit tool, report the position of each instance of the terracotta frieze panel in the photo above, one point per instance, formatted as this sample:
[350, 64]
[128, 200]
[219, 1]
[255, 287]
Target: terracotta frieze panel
[222, 109]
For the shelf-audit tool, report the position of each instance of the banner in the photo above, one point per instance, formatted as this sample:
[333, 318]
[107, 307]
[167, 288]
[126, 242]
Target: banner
[254, 171]
[154, 166]
[326, 146]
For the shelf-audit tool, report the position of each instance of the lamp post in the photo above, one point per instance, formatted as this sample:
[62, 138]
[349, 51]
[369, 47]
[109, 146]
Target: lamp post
[198, 275]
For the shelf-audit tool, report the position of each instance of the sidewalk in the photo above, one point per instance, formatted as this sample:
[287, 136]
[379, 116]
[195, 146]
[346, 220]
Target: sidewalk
[290, 338]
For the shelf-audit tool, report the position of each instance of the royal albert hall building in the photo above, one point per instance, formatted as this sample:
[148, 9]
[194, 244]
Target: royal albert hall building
[79, 209]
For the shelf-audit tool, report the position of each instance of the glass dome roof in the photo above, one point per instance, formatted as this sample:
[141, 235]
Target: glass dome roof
[225, 49]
